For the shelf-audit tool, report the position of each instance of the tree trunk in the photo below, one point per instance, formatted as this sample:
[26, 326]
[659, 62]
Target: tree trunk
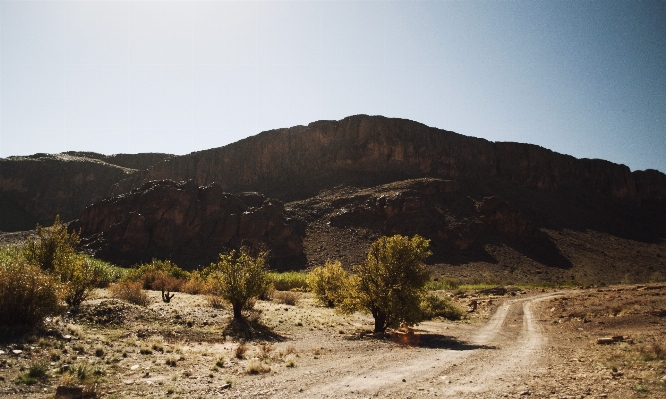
[237, 311]
[380, 322]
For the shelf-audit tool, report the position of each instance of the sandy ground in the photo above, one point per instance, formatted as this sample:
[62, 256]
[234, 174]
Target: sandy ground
[541, 344]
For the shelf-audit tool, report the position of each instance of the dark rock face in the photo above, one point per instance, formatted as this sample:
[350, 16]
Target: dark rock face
[342, 222]
[298, 162]
[34, 189]
[189, 225]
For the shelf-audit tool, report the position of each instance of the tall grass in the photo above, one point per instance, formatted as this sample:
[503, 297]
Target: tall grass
[289, 281]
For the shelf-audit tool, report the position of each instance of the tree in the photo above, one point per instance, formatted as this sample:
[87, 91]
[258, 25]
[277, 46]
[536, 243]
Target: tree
[54, 251]
[239, 278]
[390, 284]
[328, 283]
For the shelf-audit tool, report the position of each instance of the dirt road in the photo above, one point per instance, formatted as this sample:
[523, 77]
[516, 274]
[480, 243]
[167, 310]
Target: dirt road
[492, 361]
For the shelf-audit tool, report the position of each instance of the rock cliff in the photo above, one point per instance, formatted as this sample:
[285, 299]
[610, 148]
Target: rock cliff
[189, 225]
[298, 162]
[35, 188]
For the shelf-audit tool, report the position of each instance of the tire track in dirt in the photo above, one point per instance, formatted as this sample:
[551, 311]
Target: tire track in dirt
[492, 360]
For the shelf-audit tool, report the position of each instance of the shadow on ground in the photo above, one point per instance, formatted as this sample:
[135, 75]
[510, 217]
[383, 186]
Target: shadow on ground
[435, 341]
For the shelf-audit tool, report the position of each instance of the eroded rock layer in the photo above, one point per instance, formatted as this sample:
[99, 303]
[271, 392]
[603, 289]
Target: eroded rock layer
[189, 225]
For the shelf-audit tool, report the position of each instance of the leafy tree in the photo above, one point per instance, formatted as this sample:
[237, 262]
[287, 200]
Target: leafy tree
[52, 247]
[54, 251]
[390, 283]
[239, 278]
[328, 283]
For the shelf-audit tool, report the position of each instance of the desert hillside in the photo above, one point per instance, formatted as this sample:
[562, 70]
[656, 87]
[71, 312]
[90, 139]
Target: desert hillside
[492, 210]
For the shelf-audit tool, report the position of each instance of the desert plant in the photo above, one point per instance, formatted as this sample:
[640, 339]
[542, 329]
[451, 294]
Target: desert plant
[196, 284]
[78, 277]
[131, 292]
[239, 278]
[286, 297]
[27, 294]
[391, 282]
[157, 270]
[240, 351]
[35, 373]
[327, 283]
[289, 281]
[435, 306]
[255, 366]
[52, 246]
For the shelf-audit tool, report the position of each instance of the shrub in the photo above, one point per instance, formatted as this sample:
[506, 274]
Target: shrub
[157, 270]
[54, 252]
[391, 282]
[239, 278]
[104, 273]
[255, 366]
[27, 294]
[196, 284]
[286, 297]
[289, 281]
[53, 247]
[130, 291]
[328, 282]
[652, 352]
[435, 306]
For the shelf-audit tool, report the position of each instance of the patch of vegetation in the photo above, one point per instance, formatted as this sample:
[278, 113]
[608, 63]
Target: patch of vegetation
[130, 291]
[239, 278]
[442, 284]
[255, 366]
[35, 373]
[289, 281]
[391, 282]
[286, 297]
[328, 283]
[27, 294]
[436, 306]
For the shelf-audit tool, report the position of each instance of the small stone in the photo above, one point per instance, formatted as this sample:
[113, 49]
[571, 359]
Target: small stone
[67, 337]
[64, 368]
[525, 393]
[17, 352]
[2, 352]
[225, 386]
[135, 367]
[404, 380]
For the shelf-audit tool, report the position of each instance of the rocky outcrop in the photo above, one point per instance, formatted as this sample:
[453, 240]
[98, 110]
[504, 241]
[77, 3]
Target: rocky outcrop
[298, 162]
[504, 218]
[132, 161]
[35, 188]
[189, 225]
[342, 222]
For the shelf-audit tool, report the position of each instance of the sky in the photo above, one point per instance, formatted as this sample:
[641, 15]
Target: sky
[585, 78]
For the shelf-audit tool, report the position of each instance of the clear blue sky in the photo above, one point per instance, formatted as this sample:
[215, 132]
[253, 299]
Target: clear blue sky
[586, 78]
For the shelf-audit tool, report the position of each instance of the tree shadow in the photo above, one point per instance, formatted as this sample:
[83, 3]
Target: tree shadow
[432, 341]
[250, 328]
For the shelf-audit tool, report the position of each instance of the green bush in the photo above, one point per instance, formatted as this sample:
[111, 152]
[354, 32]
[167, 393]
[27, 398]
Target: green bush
[27, 294]
[289, 281]
[435, 306]
[442, 284]
[327, 283]
[104, 273]
[53, 246]
[239, 278]
[391, 282]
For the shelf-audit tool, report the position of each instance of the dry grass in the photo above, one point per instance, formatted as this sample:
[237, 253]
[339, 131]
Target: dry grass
[255, 366]
[241, 350]
[130, 291]
[286, 297]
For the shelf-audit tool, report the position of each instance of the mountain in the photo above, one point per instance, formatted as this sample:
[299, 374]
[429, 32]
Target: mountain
[511, 211]
[33, 189]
